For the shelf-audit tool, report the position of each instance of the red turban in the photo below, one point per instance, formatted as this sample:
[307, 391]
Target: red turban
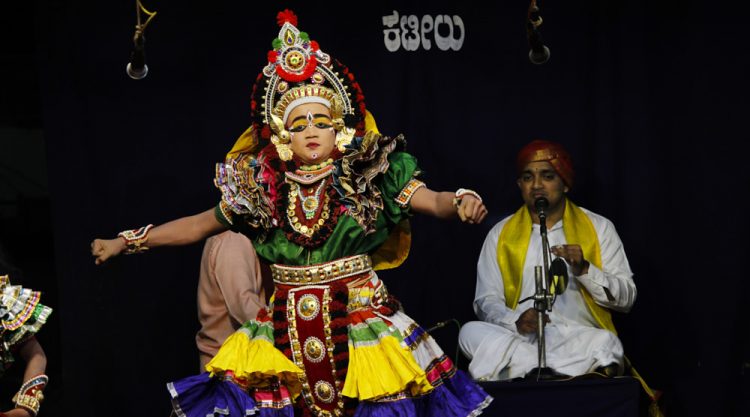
[554, 153]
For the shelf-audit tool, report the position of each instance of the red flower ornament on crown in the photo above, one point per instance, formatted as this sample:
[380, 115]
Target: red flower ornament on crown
[286, 16]
[294, 56]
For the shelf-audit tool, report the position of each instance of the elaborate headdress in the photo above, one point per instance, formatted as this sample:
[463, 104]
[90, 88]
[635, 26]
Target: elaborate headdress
[299, 72]
[554, 153]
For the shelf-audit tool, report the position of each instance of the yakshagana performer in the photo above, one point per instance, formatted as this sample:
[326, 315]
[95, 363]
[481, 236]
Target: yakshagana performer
[325, 199]
[21, 317]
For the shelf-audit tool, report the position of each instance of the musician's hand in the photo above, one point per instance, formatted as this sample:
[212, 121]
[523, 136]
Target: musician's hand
[573, 255]
[527, 323]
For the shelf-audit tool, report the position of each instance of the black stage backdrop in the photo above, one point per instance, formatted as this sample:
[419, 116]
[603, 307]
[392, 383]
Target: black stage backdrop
[648, 96]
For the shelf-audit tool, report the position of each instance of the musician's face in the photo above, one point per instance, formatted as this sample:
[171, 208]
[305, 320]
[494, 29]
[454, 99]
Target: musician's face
[539, 179]
[311, 129]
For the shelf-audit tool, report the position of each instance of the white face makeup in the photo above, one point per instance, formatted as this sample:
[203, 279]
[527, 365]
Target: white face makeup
[312, 135]
[309, 118]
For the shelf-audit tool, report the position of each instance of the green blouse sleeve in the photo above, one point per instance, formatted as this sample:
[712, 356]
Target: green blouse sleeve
[221, 216]
[234, 222]
[401, 170]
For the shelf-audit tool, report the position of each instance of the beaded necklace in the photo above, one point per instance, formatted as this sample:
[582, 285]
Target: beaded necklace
[310, 203]
[316, 167]
[311, 206]
[309, 177]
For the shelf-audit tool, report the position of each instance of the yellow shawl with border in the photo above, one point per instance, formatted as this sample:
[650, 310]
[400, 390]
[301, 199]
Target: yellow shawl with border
[514, 243]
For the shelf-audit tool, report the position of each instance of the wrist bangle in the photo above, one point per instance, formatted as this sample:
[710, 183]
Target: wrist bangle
[30, 395]
[135, 239]
[461, 192]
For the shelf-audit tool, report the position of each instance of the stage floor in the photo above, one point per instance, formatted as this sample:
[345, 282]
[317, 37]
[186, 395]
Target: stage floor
[580, 397]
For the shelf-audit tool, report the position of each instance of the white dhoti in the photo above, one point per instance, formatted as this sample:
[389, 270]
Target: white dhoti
[496, 353]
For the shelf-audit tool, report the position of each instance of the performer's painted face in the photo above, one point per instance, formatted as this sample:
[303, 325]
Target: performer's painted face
[313, 136]
[539, 179]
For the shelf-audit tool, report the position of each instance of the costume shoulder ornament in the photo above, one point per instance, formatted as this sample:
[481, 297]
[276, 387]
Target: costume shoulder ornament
[21, 316]
[365, 159]
[247, 190]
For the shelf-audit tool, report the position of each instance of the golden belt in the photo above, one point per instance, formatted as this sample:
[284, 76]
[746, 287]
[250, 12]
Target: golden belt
[321, 273]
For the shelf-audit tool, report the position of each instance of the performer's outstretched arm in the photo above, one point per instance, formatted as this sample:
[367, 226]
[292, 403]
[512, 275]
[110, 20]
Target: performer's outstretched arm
[441, 204]
[183, 231]
[36, 360]
[27, 399]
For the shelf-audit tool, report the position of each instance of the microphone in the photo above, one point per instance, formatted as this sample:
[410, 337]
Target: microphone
[541, 204]
[137, 68]
[538, 54]
[558, 275]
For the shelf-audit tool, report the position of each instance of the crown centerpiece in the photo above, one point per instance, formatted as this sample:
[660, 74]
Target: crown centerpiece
[298, 72]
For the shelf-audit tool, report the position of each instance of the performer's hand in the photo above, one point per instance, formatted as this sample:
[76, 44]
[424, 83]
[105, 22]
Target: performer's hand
[471, 210]
[18, 412]
[103, 249]
[573, 255]
[528, 322]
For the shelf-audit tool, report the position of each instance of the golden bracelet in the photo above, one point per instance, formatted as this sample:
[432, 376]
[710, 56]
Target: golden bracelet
[135, 239]
[30, 395]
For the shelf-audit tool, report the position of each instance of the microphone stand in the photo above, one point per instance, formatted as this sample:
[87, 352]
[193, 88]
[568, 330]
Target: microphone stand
[542, 301]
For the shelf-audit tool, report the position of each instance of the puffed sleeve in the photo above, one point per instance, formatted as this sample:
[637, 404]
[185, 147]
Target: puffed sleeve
[399, 184]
